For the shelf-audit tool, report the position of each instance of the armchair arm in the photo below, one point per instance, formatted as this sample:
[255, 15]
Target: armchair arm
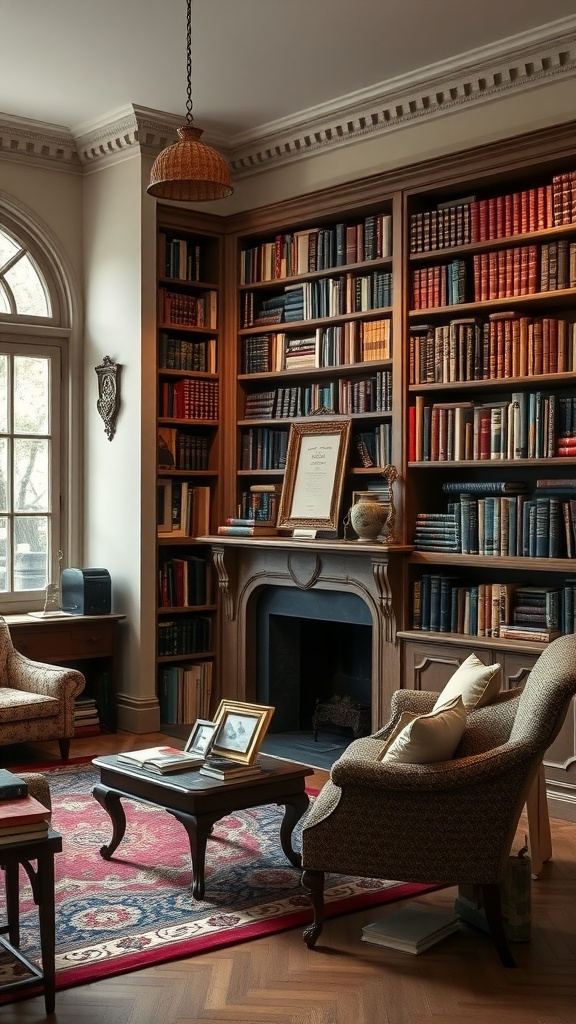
[443, 775]
[420, 702]
[39, 677]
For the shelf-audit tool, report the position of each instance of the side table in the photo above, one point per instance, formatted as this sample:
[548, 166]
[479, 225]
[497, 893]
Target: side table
[42, 881]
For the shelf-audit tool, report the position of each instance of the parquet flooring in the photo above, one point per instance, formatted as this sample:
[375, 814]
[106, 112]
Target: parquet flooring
[277, 980]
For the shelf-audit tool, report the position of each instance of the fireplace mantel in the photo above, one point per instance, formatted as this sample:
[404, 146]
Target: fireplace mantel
[374, 572]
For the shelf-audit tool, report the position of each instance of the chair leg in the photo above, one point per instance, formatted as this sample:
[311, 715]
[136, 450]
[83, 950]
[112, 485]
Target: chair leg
[313, 881]
[493, 910]
[64, 749]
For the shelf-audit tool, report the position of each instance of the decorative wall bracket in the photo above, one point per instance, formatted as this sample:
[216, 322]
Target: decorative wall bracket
[108, 402]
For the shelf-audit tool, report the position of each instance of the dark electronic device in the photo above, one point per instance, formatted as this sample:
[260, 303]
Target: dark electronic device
[86, 591]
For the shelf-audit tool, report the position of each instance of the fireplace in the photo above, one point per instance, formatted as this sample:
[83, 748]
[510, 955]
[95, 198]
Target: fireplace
[313, 649]
[303, 587]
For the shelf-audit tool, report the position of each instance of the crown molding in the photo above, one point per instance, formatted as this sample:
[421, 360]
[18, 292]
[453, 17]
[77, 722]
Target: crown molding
[484, 75]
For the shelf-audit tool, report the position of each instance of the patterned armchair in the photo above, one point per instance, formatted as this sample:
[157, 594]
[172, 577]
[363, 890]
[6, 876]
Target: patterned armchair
[452, 822]
[36, 700]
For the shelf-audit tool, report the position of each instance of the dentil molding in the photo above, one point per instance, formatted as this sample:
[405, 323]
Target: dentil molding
[484, 75]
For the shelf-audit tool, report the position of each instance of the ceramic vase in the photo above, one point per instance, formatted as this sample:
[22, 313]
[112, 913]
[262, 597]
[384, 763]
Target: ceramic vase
[368, 519]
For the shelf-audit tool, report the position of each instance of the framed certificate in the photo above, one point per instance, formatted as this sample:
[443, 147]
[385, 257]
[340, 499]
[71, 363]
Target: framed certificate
[315, 464]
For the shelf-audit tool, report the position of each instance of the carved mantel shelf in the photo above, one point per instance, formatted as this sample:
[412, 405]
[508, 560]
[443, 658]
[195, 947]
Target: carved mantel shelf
[374, 572]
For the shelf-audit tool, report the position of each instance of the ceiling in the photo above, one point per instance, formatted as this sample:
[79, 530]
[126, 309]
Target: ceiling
[73, 62]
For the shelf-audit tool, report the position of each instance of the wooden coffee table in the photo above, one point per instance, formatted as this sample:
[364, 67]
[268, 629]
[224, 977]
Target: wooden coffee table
[198, 802]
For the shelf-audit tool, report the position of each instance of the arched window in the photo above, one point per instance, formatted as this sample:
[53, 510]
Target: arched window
[34, 337]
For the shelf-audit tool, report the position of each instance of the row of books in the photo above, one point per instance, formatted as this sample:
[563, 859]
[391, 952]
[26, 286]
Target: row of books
[188, 634]
[320, 298]
[373, 448]
[501, 525]
[505, 345]
[186, 310]
[86, 716]
[443, 604]
[317, 248]
[503, 216]
[260, 503]
[189, 399]
[263, 448]
[498, 274]
[531, 425]
[345, 397]
[356, 341]
[183, 449]
[184, 582]
[185, 354]
[181, 258]
[184, 692]
[184, 509]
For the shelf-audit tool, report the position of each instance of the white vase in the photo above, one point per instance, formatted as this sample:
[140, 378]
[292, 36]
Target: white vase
[368, 519]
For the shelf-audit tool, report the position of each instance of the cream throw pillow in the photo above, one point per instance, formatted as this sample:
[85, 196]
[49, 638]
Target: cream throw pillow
[429, 738]
[476, 683]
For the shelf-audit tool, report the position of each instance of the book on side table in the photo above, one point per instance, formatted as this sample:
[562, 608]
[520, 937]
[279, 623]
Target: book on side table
[411, 929]
[22, 820]
[162, 760]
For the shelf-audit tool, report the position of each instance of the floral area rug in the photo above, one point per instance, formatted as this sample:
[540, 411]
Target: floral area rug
[137, 909]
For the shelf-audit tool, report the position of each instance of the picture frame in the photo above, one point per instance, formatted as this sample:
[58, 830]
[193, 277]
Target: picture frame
[241, 729]
[164, 506]
[201, 738]
[314, 475]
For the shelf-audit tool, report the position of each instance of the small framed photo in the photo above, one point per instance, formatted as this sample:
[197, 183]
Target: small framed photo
[241, 729]
[201, 738]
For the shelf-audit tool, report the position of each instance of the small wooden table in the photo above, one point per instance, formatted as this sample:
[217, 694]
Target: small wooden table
[42, 881]
[198, 802]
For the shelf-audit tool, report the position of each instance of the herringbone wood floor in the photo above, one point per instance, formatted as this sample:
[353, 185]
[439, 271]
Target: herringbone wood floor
[277, 980]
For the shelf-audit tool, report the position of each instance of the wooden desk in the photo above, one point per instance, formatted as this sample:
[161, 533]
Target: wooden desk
[42, 881]
[70, 641]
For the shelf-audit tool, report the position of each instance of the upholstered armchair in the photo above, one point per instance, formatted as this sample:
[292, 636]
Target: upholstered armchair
[450, 822]
[36, 700]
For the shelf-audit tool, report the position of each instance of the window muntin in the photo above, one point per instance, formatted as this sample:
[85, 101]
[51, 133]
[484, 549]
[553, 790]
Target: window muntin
[23, 288]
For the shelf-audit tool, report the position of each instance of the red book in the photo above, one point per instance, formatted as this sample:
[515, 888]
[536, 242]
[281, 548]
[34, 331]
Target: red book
[22, 811]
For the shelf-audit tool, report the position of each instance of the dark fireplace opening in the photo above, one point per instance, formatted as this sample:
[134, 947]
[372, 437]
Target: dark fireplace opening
[313, 648]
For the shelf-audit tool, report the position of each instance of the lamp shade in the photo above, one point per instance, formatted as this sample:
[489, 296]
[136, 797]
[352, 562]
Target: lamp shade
[189, 170]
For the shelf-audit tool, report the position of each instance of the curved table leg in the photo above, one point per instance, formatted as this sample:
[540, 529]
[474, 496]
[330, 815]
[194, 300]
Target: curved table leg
[198, 829]
[110, 800]
[293, 811]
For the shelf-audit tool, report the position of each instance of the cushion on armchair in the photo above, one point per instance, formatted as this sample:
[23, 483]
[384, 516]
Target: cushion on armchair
[428, 738]
[478, 684]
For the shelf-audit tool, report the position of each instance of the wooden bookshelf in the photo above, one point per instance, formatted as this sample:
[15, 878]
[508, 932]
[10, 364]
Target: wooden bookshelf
[189, 329]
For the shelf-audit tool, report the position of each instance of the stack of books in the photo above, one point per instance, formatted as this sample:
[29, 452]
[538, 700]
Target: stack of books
[227, 770]
[86, 718]
[411, 929]
[160, 760]
[22, 817]
[238, 527]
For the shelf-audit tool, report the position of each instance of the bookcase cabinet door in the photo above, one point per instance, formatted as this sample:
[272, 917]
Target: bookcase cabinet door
[429, 665]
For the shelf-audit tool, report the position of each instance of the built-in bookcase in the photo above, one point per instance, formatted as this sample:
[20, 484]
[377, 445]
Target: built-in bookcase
[491, 359]
[189, 262]
[315, 337]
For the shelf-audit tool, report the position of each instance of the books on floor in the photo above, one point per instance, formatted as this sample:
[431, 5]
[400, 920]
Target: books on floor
[86, 717]
[227, 770]
[411, 929]
[162, 760]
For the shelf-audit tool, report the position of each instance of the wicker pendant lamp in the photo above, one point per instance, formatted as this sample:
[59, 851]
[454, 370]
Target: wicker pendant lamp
[189, 171]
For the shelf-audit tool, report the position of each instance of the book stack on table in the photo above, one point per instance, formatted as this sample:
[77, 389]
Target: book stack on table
[22, 817]
[226, 769]
[411, 929]
[160, 760]
[238, 527]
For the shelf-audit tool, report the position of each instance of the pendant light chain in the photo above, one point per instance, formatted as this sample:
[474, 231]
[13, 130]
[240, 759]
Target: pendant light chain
[189, 117]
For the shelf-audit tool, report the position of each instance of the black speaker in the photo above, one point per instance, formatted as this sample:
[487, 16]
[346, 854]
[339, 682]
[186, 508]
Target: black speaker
[86, 591]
